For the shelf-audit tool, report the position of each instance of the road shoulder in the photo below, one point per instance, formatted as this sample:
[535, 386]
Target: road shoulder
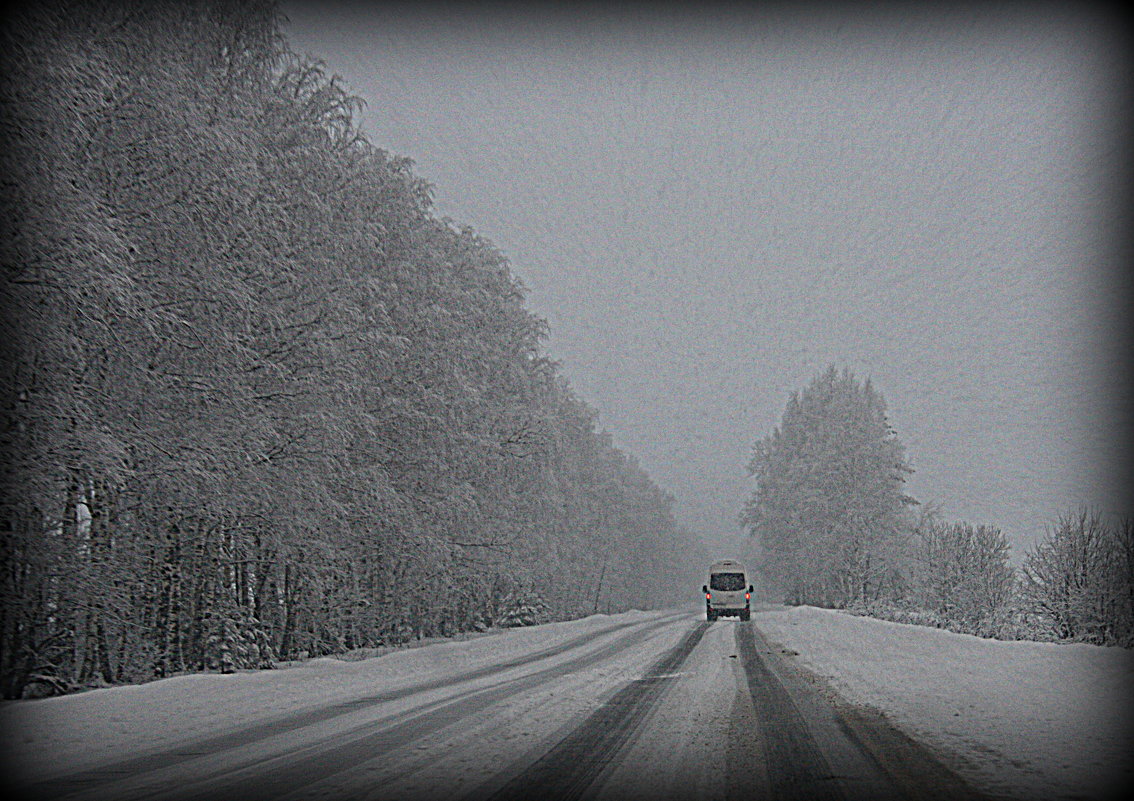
[867, 753]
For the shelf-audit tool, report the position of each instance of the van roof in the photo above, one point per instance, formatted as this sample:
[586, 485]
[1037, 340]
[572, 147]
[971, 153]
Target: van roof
[726, 563]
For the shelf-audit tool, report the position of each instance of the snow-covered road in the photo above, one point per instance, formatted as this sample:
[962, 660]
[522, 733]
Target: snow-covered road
[638, 705]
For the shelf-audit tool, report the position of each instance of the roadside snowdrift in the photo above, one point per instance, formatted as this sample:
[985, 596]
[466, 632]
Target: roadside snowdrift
[1027, 719]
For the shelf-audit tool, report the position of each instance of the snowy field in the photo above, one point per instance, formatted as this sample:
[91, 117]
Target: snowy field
[1029, 720]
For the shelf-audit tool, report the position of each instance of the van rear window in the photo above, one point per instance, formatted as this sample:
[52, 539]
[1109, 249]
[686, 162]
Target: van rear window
[726, 582]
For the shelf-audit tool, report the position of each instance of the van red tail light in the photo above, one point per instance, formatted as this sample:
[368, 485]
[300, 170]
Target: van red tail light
[708, 596]
[747, 596]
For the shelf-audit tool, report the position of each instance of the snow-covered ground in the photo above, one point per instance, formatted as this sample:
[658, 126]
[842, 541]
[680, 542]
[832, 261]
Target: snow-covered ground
[52, 736]
[1030, 720]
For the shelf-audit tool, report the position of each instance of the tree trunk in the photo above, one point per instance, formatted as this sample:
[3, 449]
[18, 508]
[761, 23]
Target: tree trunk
[289, 615]
[170, 656]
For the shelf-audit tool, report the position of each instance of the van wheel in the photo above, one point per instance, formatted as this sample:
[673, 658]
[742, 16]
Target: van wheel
[710, 617]
[746, 615]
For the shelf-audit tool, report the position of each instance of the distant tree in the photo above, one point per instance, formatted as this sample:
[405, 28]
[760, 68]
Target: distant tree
[961, 576]
[1080, 579]
[828, 510]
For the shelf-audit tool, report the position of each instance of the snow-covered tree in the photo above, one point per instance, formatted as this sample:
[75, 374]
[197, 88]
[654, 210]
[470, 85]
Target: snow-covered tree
[255, 397]
[828, 510]
[1080, 579]
[961, 576]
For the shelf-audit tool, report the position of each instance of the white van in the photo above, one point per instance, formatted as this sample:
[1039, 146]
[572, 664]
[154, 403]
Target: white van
[728, 591]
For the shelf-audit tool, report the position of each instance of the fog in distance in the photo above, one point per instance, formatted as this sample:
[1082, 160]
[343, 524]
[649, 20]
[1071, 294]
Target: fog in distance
[709, 208]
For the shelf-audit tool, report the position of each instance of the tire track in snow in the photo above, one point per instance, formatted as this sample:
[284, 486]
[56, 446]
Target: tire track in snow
[568, 770]
[818, 746]
[796, 767]
[278, 774]
[87, 782]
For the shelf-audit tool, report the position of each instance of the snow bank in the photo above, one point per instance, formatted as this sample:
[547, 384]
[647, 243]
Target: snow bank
[1030, 719]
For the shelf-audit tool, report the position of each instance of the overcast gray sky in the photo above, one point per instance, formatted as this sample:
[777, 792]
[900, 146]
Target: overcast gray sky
[710, 208]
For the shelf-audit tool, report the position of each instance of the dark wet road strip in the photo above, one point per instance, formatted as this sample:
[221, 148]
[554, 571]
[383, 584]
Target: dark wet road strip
[796, 767]
[569, 769]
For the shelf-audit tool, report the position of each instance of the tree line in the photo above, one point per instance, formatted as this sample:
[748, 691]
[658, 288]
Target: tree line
[833, 526]
[259, 401]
